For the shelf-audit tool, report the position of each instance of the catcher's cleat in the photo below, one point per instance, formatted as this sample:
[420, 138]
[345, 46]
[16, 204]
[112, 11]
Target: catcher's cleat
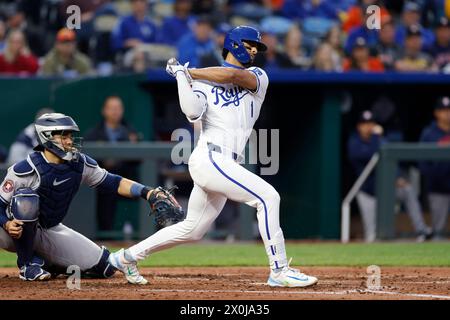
[34, 272]
[290, 277]
[128, 268]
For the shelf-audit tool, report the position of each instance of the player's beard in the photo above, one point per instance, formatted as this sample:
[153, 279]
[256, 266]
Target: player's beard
[250, 63]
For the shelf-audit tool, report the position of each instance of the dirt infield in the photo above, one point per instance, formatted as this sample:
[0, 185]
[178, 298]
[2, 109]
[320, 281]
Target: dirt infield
[238, 283]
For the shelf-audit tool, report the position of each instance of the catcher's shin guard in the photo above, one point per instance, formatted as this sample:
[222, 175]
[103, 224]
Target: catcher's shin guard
[103, 269]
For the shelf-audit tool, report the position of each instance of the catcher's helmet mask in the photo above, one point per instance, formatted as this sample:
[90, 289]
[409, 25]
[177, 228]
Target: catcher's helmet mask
[234, 43]
[51, 124]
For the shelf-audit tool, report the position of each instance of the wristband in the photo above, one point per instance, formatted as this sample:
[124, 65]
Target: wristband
[144, 192]
[136, 189]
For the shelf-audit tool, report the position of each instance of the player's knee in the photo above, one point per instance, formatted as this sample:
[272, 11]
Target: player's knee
[24, 205]
[102, 269]
[196, 235]
[192, 230]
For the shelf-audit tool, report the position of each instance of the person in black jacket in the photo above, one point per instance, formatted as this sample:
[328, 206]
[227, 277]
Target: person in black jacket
[437, 174]
[113, 128]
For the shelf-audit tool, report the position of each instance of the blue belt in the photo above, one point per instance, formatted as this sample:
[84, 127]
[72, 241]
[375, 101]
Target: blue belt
[216, 148]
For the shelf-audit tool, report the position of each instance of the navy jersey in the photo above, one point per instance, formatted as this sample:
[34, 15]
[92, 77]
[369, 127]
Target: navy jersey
[56, 184]
[437, 173]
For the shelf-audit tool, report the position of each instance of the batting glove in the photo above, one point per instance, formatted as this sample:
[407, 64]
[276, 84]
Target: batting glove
[173, 67]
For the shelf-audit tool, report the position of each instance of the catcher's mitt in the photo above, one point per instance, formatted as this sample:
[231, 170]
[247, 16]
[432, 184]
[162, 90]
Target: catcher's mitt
[166, 208]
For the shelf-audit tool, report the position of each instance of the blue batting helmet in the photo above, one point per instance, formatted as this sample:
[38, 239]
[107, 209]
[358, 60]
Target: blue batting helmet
[234, 43]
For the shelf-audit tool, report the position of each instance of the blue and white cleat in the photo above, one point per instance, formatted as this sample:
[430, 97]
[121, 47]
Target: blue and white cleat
[128, 268]
[33, 271]
[290, 277]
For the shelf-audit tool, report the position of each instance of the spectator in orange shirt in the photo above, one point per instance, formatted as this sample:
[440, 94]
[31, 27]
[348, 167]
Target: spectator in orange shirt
[361, 60]
[16, 57]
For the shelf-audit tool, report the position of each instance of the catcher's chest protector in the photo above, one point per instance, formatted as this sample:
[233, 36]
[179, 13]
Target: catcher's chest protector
[58, 185]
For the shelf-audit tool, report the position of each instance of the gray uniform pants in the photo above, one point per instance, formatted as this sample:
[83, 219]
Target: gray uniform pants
[60, 246]
[439, 206]
[406, 195]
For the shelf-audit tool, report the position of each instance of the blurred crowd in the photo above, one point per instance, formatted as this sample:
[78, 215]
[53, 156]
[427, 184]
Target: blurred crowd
[135, 35]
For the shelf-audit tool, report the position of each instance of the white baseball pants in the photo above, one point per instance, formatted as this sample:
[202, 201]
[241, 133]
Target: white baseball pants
[217, 177]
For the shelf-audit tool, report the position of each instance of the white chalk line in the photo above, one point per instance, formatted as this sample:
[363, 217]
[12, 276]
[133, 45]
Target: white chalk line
[263, 283]
[418, 295]
[252, 291]
[242, 280]
[343, 292]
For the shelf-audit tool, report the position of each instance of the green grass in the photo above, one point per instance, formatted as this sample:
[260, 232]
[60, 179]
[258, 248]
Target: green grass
[306, 254]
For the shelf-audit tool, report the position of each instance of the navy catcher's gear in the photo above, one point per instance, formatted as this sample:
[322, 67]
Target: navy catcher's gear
[22, 168]
[58, 186]
[33, 271]
[50, 123]
[24, 205]
[110, 183]
[234, 43]
[166, 208]
[103, 269]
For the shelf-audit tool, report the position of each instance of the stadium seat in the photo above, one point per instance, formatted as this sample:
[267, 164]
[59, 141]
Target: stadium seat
[277, 25]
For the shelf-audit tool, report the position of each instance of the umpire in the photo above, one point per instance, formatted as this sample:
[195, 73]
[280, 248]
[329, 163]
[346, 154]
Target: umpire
[437, 174]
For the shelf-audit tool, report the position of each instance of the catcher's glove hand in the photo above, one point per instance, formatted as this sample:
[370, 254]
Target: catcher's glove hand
[173, 67]
[166, 208]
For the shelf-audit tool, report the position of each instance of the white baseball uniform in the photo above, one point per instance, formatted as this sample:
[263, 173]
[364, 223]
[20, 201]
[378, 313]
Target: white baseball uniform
[227, 113]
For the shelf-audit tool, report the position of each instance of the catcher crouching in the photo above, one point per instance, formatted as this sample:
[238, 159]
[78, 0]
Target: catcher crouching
[35, 197]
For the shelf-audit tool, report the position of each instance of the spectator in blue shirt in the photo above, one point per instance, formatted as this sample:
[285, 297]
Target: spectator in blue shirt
[362, 145]
[437, 174]
[411, 16]
[178, 25]
[371, 37]
[194, 45]
[134, 29]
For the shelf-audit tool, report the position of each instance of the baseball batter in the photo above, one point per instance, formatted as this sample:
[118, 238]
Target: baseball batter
[227, 101]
